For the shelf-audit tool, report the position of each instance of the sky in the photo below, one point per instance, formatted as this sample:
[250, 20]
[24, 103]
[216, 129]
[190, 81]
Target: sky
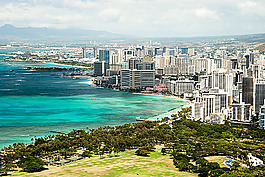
[145, 18]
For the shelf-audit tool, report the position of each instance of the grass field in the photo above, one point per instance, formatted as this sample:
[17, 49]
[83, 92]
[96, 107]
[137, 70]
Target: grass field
[218, 159]
[126, 165]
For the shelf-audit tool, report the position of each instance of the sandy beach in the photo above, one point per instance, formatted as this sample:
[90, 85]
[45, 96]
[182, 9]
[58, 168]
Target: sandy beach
[64, 65]
[169, 96]
[169, 113]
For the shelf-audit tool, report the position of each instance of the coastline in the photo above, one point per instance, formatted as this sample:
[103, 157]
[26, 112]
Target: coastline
[57, 64]
[168, 113]
[158, 117]
[168, 96]
[21, 136]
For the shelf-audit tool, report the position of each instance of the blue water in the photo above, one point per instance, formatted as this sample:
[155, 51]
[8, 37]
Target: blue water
[33, 103]
[228, 163]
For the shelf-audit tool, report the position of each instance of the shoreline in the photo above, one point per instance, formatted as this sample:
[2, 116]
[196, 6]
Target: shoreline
[57, 64]
[161, 115]
[158, 117]
[168, 96]
[168, 113]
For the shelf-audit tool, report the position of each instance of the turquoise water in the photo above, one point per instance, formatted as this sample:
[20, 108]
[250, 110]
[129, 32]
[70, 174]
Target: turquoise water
[33, 103]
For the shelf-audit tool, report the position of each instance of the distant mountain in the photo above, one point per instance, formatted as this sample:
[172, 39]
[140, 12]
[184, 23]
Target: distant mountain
[12, 33]
[247, 38]
[261, 48]
[9, 33]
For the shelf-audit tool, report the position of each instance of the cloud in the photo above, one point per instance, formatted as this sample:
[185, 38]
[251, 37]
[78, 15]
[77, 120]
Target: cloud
[110, 15]
[248, 4]
[140, 17]
[204, 13]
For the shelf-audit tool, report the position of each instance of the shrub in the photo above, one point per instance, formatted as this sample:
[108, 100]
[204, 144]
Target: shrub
[31, 164]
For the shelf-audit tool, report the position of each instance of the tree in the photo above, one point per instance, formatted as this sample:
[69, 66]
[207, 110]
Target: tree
[4, 171]
[87, 154]
[203, 171]
[163, 151]
[202, 162]
[216, 173]
[235, 165]
[213, 165]
[142, 152]
[183, 166]
[31, 164]
[237, 174]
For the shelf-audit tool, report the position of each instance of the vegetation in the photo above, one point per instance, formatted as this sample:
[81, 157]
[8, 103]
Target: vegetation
[188, 142]
[31, 164]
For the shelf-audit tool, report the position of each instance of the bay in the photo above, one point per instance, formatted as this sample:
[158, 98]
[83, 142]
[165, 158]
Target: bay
[33, 103]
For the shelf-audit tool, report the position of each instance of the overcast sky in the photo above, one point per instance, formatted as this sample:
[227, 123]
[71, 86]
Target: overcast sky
[146, 18]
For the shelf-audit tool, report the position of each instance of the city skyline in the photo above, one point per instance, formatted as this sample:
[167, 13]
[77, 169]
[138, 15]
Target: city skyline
[140, 18]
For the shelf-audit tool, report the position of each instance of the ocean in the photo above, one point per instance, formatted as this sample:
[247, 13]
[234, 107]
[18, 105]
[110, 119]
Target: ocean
[33, 103]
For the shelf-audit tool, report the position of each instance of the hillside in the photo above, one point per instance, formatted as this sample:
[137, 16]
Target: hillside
[261, 48]
[12, 33]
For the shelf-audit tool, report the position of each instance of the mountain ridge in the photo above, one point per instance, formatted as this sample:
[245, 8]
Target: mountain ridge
[10, 33]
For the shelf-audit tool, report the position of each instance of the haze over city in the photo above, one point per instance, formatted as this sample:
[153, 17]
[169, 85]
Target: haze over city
[143, 18]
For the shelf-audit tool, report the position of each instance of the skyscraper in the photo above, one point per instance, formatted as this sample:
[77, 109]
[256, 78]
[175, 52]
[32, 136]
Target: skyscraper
[100, 68]
[95, 53]
[184, 51]
[262, 117]
[137, 79]
[145, 66]
[247, 61]
[133, 62]
[247, 90]
[104, 55]
[259, 95]
[251, 58]
[84, 52]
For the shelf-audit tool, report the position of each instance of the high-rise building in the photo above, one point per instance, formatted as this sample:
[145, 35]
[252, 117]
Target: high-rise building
[125, 79]
[234, 62]
[247, 61]
[133, 62]
[251, 58]
[209, 104]
[247, 90]
[184, 51]
[139, 52]
[149, 52]
[262, 117]
[197, 110]
[257, 71]
[222, 96]
[104, 55]
[191, 52]
[183, 63]
[170, 52]
[160, 62]
[155, 52]
[128, 53]
[137, 79]
[181, 86]
[159, 52]
[202, 64]
[259, 95]
[120, 54]
[145, 66]
[241, 113]
[100, 68]
[114, 59]
[84, 52]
